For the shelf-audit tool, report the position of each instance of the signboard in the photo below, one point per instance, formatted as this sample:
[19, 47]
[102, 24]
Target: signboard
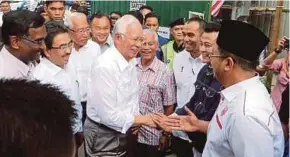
[195, 14]
[136, 4]
[164, 32]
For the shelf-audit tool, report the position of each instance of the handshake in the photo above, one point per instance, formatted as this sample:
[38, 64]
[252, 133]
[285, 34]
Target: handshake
[188, 123]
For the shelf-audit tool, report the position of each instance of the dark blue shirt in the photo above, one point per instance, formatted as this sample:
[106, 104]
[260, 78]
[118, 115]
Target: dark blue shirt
[203, 103]
[161, 41]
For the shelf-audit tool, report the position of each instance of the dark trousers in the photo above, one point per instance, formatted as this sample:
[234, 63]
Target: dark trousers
[84, 105]
[144, 150]
[101, 141]
[181, 148]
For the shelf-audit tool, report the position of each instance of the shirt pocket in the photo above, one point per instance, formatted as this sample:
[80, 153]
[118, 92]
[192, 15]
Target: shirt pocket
[155, 99]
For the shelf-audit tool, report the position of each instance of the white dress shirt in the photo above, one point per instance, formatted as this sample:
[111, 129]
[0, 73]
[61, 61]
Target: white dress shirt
[245, 124]
[185, 70]
[83, 60]
[65, 80]
[12, 67]
[113, 97]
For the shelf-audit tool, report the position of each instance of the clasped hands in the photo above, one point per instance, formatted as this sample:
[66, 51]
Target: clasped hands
[188, 123]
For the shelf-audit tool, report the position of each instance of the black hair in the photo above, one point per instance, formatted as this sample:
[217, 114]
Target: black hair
[150, 15]
[17, 23]
[35, 120]
[40, 10]
[53, 28]
[99, 15]
[146, 7]
[212, 27]
[4, 2]
[137, 15]
[83, 9]
[243, 63]
[116, 12]
[47, 3]
[200, 21]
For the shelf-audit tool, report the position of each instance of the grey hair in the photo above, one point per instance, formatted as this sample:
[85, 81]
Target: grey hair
[69, 19]
[150, 31]
[122, 24]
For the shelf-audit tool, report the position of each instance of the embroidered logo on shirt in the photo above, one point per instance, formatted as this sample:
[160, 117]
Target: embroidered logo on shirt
[218, 122]
[224, 111]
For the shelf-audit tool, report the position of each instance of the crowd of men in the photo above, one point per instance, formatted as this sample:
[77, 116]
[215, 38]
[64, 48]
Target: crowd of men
[112, 84]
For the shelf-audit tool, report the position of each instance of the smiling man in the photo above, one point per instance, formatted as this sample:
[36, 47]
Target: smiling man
[157, 93]
[23, 33]
[54, 69]
[101, 28]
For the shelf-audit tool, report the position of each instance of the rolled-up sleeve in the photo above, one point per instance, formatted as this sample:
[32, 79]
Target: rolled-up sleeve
[103, 97]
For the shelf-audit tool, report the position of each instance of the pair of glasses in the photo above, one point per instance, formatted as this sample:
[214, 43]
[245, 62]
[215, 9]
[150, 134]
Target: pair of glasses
[81, 30]
[219, 56]
[64, 46]
[37, 42]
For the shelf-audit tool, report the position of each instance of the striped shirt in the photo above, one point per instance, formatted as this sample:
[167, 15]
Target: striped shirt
[157, 89]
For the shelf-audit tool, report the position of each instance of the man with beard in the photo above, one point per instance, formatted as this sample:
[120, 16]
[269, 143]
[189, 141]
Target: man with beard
[84, 52]
[23, 33]
[246, 122]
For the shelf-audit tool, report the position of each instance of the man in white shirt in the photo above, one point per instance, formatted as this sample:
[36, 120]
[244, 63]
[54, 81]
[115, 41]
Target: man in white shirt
[23, 33]
[186, 66]
[246, 122]
[55, 69]
[84, 52]
[101, 28]
[113, 94]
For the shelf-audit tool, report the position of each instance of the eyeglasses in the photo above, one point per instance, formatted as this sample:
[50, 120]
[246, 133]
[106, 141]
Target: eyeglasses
[81, 30]
[135, 39]
[219, 56]
[64, 46]
[37, 42]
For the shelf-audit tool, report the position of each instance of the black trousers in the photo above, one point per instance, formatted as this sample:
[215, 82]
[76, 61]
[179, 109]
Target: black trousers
[144, 150]
[181, 148]
[84, 106]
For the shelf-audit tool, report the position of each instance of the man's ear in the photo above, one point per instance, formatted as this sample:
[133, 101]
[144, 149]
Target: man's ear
[14, 42]
[47, 53]
[229, 63]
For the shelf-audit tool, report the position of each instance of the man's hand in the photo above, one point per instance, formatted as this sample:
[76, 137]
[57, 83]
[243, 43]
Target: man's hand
[188, 123]
[164, 122]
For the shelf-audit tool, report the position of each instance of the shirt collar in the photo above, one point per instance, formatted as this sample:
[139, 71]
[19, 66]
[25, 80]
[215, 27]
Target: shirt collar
[153, 66]
[231, 92]
[121, 61]
[54, 69]
[177, 48]
[86, 46]
[108, 42]
[22, 67]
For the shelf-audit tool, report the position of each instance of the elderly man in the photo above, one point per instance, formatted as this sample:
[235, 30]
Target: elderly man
[157, 93]
[113, 99]
[101, 28]
[54, 69]
[23, 33]
[84, 52]
[245, 103]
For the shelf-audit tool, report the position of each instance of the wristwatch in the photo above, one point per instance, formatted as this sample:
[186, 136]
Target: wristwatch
[278, 50]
